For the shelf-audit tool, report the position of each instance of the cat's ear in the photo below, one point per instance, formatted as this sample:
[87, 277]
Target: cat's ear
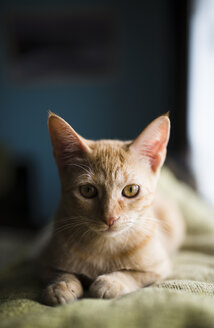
[151, 144]
[67, 144]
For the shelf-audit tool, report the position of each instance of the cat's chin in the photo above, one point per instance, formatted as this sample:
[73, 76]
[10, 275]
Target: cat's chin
[111, 232]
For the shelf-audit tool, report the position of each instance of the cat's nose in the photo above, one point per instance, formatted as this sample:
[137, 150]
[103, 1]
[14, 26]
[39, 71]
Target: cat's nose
[111, 220]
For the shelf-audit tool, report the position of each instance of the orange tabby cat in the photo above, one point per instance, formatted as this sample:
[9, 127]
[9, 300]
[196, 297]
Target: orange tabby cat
[111, 226]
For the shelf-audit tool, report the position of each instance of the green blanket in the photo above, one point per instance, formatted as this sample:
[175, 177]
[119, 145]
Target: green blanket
[186, 299]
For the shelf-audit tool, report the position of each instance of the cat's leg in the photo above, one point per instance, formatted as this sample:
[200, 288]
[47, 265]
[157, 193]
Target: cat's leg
[65, 288]
[123, 282]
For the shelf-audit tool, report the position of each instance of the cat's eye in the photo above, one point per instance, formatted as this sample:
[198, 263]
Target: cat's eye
[88, 191]
[131, 190]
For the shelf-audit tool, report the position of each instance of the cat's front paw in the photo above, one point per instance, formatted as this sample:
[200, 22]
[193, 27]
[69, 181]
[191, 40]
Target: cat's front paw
[59, 293]
[106, 286]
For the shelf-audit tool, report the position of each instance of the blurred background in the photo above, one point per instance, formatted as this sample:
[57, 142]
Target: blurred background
[108, 68]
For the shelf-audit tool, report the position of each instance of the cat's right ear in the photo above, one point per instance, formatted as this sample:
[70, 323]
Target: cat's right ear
[67, 144]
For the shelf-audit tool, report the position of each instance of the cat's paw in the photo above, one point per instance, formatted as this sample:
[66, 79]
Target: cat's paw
[59, 293]
[107, 287]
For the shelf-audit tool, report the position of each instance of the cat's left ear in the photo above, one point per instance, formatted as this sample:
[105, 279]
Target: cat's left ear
[151, 144]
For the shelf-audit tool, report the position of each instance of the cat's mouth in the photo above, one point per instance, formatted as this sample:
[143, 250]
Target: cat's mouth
[106, 230]
[111, 229]
[115, 228]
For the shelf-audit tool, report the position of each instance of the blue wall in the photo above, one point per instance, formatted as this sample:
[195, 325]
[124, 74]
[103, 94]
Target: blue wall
[118, 107]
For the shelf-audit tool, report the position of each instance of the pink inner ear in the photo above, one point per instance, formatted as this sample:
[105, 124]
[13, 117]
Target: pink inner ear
[67, 144]
[159, 147]
[151, 143]
[156, 155]
[66, 150]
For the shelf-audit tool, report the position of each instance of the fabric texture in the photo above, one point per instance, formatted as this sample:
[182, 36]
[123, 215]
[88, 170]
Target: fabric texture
[186, 299]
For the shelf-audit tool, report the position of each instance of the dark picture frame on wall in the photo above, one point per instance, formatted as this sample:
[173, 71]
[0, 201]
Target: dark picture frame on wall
[73, 44]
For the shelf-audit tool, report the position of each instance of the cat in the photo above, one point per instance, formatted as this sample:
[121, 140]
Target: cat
[112, 231]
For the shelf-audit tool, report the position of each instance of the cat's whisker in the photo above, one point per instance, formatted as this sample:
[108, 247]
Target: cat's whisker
[84, 234]
[83, 167]
[68, 226]
[161, 225]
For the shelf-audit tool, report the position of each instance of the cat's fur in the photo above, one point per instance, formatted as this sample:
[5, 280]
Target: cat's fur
[120, 244]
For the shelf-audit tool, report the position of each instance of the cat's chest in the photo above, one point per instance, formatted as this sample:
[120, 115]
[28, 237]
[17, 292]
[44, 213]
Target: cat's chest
[95, 263]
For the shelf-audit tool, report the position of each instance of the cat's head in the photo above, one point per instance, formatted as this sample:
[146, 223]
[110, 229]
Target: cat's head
[107, 185]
